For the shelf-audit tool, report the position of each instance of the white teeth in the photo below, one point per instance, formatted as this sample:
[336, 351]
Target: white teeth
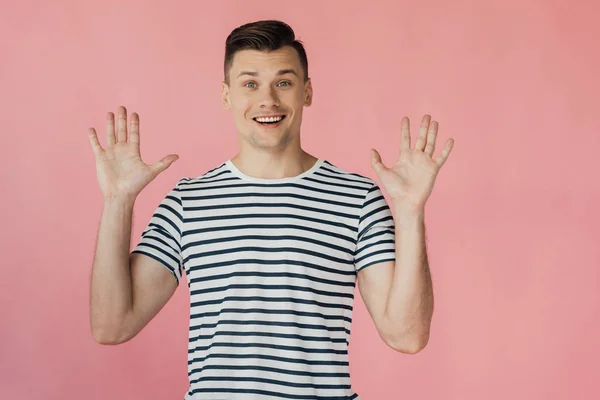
[269, 119]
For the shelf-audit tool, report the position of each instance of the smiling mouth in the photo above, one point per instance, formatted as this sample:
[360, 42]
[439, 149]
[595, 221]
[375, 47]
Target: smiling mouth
[269, 120]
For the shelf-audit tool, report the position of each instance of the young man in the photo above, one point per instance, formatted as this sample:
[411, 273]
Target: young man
[271, 241]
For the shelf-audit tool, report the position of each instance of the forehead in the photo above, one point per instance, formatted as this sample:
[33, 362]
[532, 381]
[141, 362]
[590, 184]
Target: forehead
[266, 62]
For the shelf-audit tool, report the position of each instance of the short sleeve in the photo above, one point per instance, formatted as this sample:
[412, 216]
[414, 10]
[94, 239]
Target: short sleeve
[376, 232]
[161, 240]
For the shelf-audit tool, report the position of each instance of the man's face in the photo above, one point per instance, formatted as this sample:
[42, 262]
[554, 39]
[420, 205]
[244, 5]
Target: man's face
[267, 93]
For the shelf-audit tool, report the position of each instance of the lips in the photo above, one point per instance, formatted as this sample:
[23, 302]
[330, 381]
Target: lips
[269, 120]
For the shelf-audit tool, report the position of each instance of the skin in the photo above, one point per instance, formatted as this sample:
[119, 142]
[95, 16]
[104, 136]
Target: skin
[128, 291]
[399, 295]
[266, 83]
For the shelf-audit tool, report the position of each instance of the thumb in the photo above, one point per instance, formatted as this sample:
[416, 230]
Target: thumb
[164, 163]
[376, 163]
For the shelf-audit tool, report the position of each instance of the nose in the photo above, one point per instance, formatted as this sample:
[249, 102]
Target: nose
[269, 97]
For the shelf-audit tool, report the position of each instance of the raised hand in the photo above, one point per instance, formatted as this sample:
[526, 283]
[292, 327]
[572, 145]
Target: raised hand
[120, 169]
[410, 181]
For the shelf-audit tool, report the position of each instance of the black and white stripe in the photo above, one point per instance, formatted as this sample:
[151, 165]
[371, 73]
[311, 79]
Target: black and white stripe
[271, 268]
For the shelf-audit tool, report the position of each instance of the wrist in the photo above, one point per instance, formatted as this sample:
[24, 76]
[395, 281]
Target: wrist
[408, 209]
[119, 201]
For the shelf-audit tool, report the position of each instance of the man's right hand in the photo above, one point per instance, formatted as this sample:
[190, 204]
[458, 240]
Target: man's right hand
[126, 290]
[120, 170]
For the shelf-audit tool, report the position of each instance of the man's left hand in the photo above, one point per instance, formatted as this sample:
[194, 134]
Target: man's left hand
[410, 181]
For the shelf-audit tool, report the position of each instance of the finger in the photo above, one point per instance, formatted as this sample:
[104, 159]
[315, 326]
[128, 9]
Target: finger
[441, 159]
[110, 129]
[430, 147]
[134, 128]
[405, 140]
[376, 162]
[164, 163]
[94, 142]
[122, 125]
[421, 139]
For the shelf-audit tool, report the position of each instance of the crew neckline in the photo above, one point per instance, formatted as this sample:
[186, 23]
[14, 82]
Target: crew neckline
[245, 177]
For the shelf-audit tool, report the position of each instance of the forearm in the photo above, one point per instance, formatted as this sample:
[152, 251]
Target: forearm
[111, 296]
[410, 302]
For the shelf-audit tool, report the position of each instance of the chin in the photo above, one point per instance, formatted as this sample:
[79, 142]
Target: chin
[269, 140]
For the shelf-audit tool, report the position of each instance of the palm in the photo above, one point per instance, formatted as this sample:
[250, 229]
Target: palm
[119, 167]
[120, 170]
[412, 178]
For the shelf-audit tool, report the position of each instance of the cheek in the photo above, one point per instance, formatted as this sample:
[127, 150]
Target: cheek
[296, 102]
[235, 97]
[299, 98]
[240, 107]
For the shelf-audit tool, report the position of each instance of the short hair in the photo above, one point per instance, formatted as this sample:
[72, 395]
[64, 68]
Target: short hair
[266, 35]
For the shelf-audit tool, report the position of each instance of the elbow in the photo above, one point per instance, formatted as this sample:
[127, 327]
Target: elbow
[408, 347]
[406, 344]
[107, 335]
[106, 338]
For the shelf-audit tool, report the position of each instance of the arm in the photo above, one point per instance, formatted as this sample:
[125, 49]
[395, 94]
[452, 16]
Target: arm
[126, 291]
[399, 295]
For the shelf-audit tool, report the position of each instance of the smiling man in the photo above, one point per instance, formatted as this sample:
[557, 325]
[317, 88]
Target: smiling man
[267, 87]
[271, 241]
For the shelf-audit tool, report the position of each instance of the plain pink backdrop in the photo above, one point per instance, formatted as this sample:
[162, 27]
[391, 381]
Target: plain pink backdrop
[513, 222]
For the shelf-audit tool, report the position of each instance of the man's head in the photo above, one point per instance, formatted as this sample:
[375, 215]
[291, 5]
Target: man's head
[266, 76]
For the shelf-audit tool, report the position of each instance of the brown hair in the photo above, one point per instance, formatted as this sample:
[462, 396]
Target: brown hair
[264, 35]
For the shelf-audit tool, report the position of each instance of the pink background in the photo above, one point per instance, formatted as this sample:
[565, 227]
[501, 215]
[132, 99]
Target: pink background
[513, 223]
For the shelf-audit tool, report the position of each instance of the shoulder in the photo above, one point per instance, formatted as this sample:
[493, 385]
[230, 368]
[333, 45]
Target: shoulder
[339, 174]
[219, 172]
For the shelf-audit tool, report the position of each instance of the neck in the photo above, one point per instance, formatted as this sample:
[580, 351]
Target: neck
[265, 165]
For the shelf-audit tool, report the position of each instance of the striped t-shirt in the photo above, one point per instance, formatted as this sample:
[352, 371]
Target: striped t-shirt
[271, 268]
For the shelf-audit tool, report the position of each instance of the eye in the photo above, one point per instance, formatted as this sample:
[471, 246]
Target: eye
[285, 83]
[250, 84]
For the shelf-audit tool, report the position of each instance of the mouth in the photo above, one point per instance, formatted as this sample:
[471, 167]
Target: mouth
[270, 121]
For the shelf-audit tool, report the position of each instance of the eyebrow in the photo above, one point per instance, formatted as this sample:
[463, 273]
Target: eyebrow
[280, 72]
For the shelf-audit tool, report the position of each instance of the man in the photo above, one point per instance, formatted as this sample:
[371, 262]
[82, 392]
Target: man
[271, 241]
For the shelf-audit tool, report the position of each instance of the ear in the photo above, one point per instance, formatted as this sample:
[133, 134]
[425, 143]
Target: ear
[308, 93]
[225, 96]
